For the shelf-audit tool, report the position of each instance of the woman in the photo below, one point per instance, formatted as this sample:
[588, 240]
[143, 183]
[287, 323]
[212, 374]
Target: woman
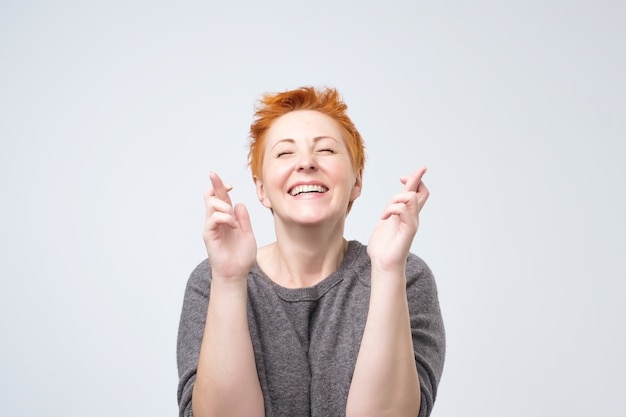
[312, 324]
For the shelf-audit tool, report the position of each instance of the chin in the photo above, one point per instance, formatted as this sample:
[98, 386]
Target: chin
[316, 218]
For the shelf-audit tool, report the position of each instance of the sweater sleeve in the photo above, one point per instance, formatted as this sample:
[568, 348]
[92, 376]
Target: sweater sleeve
[427, 330]
[190, 331]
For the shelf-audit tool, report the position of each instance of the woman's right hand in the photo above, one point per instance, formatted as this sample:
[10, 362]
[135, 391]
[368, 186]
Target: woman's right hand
[228, 234]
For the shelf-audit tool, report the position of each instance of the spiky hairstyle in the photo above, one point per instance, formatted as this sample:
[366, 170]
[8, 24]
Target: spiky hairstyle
[324, 100]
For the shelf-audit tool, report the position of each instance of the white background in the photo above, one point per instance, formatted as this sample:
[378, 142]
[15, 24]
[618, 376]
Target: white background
[113, 113]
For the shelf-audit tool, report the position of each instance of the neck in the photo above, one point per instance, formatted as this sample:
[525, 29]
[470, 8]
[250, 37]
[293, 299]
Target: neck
[304, 256]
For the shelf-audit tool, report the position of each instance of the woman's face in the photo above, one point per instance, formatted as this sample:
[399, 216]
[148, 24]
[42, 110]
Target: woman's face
[308, 176]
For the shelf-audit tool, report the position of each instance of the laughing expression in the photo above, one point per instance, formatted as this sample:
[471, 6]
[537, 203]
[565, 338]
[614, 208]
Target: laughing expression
[307, 174]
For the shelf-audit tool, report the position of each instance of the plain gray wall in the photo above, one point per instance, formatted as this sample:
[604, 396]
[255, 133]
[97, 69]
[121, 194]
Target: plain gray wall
[113, 113]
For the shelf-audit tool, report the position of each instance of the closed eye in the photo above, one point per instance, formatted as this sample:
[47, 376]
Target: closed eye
[283, 153]
[327, 150]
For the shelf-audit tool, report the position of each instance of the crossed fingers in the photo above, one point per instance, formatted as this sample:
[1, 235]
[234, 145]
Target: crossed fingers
[219, 207]
[415, 184]
[414, 194]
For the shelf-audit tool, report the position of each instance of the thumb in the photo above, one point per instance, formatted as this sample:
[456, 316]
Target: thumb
[243, 218]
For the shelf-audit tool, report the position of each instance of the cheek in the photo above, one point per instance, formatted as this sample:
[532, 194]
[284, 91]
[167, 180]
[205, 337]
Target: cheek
[273, 177]
[278, 169]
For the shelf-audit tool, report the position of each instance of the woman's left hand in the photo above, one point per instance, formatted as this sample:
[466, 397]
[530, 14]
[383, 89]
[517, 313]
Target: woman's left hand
[392, 237]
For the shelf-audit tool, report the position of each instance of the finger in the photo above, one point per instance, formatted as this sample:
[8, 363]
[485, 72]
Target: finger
[218, 218]
[220, 188]
[422, 195]
[401, 211]
[411, 183]
[401, 203]
[215, 204]
[243, 218]
[392, 210]
[405, 197]
[211, 191]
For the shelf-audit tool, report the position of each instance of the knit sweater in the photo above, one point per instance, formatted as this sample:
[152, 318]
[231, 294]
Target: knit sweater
[306, 340]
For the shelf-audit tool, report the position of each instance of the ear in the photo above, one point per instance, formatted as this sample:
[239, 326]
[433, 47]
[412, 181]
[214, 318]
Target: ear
[358, 185]
[260, 192]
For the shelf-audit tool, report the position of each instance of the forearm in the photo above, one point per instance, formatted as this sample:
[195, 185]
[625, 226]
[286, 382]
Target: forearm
[227, 382]
[385, 380]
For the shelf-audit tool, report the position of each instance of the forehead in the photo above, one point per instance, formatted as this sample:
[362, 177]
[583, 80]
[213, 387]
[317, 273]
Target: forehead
[303, 124]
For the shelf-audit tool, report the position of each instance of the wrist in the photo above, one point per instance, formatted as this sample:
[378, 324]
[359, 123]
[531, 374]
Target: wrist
[388, 267]
[229, 283]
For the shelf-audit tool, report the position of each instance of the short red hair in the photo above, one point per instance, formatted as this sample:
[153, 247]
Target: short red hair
[325, 100]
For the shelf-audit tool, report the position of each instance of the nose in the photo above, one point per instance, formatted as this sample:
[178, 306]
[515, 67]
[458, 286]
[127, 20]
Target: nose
[306, 162]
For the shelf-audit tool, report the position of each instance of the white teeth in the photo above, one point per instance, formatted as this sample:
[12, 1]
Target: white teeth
[308, 189]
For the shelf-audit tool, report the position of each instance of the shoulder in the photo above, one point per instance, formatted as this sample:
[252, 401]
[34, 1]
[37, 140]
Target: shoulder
[357, 261]
[418, 273]
[202, 269]
[420, 283]
[200, 279]
[199, 282]
[417, 267]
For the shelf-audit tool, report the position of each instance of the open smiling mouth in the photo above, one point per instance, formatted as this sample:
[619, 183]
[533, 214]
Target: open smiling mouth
[305, 189]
